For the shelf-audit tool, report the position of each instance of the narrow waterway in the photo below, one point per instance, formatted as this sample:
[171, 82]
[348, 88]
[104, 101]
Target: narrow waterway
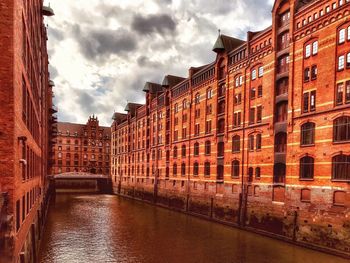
[105, 228]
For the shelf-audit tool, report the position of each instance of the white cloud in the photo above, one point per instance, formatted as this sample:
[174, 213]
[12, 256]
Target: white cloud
[102, 52]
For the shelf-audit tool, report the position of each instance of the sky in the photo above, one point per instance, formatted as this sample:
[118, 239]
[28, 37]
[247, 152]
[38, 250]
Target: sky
[102, 52]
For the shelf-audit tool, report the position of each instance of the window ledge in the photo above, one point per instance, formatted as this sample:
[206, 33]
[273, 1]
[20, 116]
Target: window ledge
[306, 179]
[341, 142]
[307, 145]
[341, 180]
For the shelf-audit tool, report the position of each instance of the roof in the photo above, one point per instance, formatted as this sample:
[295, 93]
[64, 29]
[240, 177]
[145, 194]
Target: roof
[132, 106]
[77, 128]
[226, 43]
[170, 80]
[152, 87]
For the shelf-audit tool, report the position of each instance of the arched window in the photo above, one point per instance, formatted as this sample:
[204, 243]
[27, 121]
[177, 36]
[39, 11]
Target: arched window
[341, 129]
[308, 133]
[341, 167]
[307, 167]
[236, 144]
[183, 169]
[207, 148]
[197, 98]
[235, 168]
[207, 169]
[195, 169]
[175, 152]
[183, 150]
[196, 149]
[174, 169]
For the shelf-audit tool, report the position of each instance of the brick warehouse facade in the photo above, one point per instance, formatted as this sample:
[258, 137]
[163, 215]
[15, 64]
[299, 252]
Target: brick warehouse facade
[26, 128]
[82, 148]
[260, 138]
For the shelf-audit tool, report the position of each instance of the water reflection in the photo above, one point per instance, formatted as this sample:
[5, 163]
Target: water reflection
[102, 228]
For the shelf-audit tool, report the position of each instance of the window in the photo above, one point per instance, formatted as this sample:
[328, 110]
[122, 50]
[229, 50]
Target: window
[184, 104]
[309, 101]
[208, 127]
[209, 94]
[313, 72]
[308, 134]
[281, 142]
[195, 169]
[308, 51]
[259, 114]
[175, 152]
[342, 98]
[341, 62]
[236, 143]
[238, 99]
[252, 116]
[341, 167]
[196, 129]
[260, 72]
[176, 108]
[174, 169]
[239, 81]
[183, 151]
[257, 172]
[283, 64]
[348, 60]
[237, 119]
[341, 129]
[207, 169]
[251, 142]
[250, 174]
[342, 36]
[282, 112]
[315, 48]
[260, 91]
[207, 148]
[306, 74]
[221, 126]
[252, 93]
[307, 167]
[253, 74]
[221, 149]
[183, 169]
[235, 168]
[258, 141]
[197, 98]
[196, 149]
[282, 86]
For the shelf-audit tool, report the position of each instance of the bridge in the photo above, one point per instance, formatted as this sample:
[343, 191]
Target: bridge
[81, 182]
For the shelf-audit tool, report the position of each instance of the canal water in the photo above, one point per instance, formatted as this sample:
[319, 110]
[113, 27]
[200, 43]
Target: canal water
[106, 228]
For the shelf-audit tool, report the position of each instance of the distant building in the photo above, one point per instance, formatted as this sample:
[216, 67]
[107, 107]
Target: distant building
[82, 148]
[260, 137]
[27, 123]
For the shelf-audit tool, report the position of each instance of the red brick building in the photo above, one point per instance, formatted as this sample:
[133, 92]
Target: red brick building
[260, 138]
[82, 148]
[26, 128]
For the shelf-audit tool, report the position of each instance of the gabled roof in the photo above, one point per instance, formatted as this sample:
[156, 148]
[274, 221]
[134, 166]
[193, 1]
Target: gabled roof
[152, 87]
[132, 106]
[170, 80]
[119, 116]
[226, 43]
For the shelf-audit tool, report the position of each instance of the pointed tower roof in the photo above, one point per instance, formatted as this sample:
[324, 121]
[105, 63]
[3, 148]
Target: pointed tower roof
[226, 43]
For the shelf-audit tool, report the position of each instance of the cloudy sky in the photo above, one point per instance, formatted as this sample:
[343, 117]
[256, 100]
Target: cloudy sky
[103, 51]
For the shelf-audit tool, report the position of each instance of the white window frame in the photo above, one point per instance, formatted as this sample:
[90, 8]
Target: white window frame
[348, 32]
[315, 48]
[253, 74]
[341, 36]
[261, 72]
[341, 62]
[308, 51]
[240, 80]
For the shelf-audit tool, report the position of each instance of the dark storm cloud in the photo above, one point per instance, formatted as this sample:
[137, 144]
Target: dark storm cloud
[161, 24]
[99, 45]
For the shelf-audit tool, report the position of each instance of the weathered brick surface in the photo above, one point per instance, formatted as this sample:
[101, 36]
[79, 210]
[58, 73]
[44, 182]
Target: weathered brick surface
[15, 77]
[262, 203]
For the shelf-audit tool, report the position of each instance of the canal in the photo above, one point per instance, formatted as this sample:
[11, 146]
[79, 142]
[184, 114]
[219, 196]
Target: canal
[106, 228]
